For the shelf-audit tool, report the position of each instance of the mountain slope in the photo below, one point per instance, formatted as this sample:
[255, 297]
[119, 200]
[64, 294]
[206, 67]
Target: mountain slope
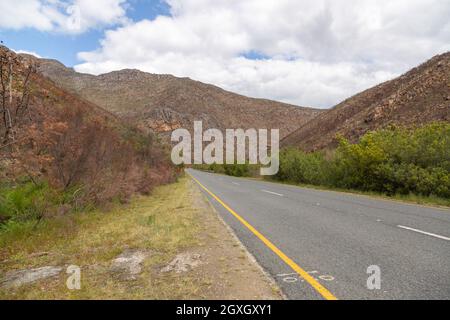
[162, 103]
[420, 96]
[62, 139]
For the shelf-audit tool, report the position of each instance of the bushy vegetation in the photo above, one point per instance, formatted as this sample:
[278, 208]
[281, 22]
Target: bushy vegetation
[391, 161]
[29, 201]
[300, 167]
[59, 154]
[235, 170]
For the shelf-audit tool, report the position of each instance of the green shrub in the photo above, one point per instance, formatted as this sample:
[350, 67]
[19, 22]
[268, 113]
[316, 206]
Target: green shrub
[217, 168]
[235, 170]
[300, 167]
[396, 160]
[393, 161]
[27, 201]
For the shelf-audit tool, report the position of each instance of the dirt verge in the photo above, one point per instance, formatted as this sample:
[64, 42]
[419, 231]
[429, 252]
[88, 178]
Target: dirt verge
[171, 245]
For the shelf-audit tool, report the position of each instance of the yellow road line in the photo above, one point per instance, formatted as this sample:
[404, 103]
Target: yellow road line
[313, 282]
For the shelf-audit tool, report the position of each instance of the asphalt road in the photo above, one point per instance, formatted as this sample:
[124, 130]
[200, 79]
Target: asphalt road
[335, 237]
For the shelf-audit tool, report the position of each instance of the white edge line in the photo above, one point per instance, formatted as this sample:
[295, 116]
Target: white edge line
[235, 183]
[423, 232]
[277, 194]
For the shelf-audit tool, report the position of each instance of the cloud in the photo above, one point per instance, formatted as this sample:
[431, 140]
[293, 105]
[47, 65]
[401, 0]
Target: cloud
[306, 52]
[28, 52]
[300, 82]
[314, 52]
[66, 16]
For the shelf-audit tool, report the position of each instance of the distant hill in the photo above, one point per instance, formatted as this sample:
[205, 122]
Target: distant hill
[162, 103]
[420, 96]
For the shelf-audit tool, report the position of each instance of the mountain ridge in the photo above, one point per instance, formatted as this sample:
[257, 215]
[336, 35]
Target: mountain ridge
[162, 103]
[419, 96]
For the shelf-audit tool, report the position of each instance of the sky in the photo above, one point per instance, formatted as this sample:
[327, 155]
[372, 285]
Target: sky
[305, 52]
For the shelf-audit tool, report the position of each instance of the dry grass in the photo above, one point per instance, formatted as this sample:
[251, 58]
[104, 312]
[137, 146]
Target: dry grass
[175, 219]
[164, 224]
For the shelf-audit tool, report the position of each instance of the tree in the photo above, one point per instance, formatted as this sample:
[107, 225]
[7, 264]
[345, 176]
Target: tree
[14, 95]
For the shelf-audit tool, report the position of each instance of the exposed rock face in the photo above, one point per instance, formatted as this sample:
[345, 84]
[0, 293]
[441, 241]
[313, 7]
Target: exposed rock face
[129, 264]
[164, 120]
[163, 103]
[22, 277]
[183, 262]
[418, 97]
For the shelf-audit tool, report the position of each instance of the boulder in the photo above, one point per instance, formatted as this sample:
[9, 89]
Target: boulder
[22, 277]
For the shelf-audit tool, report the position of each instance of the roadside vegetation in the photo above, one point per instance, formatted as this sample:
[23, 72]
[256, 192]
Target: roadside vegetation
[403, 163]
[91, 240]
[393, 161]
[174, 221]
[60, 155]
[236, 170]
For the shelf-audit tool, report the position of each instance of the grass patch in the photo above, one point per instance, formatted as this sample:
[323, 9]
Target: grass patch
[164, 224]
[26, 201]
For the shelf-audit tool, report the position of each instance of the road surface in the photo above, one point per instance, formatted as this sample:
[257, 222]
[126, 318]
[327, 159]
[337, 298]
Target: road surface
[338, 240]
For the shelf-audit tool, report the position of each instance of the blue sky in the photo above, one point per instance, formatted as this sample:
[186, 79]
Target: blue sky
[305, 52]
[64, 47]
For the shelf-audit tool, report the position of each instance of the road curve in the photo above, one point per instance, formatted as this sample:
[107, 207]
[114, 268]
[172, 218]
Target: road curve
[335, 237]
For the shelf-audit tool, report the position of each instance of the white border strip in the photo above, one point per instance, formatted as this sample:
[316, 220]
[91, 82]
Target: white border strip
[423, 232]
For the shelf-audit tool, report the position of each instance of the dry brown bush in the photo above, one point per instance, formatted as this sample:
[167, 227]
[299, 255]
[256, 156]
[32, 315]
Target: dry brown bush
[75, 146]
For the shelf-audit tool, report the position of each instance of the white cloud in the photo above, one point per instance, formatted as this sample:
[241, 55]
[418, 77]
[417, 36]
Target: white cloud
[300, 82]
[67, 16]
[32, 53]
[316, 52]
[320, 51]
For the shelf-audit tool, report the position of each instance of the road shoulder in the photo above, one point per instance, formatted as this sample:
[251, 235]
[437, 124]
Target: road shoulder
[250, 281]
[171, 245]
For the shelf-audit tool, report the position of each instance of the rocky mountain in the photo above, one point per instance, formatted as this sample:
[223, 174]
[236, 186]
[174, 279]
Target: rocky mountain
[420, 96]
[65, 140]
[162, 103]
